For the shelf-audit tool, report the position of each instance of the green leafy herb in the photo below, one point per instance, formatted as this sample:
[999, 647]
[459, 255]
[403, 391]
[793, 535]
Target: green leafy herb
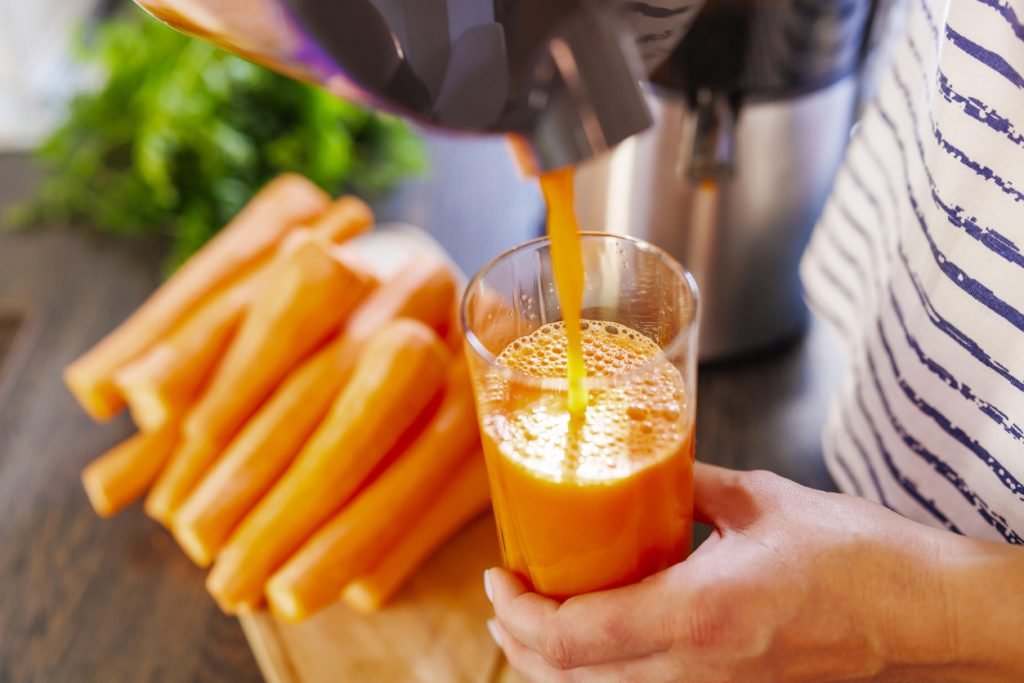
[181, 134]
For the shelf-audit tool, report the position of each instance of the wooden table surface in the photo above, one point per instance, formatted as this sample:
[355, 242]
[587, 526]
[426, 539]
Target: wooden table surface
[82, 599]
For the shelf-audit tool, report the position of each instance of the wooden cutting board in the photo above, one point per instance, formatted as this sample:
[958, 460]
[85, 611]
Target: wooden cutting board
[434, 630]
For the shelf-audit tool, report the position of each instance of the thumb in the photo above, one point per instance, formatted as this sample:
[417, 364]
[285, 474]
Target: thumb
[722, 497]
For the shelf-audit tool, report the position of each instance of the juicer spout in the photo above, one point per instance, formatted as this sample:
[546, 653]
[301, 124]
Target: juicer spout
[586, 94]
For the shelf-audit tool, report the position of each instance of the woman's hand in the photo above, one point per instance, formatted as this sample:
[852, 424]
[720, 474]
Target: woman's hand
[793, 585]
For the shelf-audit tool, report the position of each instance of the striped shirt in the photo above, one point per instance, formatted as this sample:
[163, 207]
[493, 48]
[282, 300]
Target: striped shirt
[918, 262]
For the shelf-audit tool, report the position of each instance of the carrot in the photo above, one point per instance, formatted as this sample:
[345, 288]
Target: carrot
[463, 497]
[161, 384]
[249, 238]
[345, 218]
[165, 380]
[119, 476]
[173, 484]
[453, 335]
[256, 457]
[268, 443]
[423, 290]
[302, 301]
[363, 531]
[399, 371]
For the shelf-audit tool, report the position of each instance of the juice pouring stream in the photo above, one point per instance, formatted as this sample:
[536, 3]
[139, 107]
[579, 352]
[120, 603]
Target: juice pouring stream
[613, 464]
[567, 267]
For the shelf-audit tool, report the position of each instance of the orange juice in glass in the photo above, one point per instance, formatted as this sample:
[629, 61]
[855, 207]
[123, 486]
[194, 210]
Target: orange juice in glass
[600, 497]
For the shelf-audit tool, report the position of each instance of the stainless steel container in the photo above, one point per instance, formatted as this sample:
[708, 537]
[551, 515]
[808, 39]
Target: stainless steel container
[749, 130]
[740, 236]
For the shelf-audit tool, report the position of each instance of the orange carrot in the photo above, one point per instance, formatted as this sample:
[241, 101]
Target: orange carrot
[452, 334]
[165, 380]
[173, 484]
[268, 443]
[398, 373]
[424, 290]
[303, 300]
[363, 531]
[161, 384]
[463, 497]
[345, 218]
[255, 458]
[249, 238]
[119, 476]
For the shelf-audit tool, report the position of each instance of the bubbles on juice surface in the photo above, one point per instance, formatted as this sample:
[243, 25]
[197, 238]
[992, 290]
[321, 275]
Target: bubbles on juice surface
[635, 415]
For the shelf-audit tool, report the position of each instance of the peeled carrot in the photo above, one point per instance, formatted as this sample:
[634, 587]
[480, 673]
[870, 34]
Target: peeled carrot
[303, 300]
[115, 479]
[463, 497]
[268, 443]
[255, 458]
[398, 373]
[424, 290]
[345, 218]
[249, 238]
[175, 481]
[164, 381]
[452, 334]
[161, 384]
[363, 531]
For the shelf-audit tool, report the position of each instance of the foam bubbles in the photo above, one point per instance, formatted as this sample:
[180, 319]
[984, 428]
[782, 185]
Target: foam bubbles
[608, 349]
[638, 419]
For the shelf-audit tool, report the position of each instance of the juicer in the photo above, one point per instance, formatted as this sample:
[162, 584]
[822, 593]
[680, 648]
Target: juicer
[561, 76]
[752, 114]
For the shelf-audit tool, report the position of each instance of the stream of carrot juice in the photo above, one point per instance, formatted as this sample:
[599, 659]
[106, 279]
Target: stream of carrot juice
[595, 489]
[567, 267]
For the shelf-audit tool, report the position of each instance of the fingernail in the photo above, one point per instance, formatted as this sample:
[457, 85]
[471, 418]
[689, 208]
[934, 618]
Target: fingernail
[492, 627]
[487, 585]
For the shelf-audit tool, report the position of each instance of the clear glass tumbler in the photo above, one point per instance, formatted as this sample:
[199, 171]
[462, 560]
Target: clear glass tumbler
[588, 501]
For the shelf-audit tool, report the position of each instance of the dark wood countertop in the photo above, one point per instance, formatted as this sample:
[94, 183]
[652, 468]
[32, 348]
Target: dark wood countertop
[84, 599]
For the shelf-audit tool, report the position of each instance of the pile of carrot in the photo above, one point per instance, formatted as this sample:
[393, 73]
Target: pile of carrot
[305, 429]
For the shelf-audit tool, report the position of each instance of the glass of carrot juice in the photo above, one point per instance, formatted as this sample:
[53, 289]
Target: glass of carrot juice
[599, 497]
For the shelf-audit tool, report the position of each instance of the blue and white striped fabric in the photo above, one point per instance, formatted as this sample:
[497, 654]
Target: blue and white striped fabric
[918, 261]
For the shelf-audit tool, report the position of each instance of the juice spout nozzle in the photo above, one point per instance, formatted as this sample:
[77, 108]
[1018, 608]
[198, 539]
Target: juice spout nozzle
[586, 92]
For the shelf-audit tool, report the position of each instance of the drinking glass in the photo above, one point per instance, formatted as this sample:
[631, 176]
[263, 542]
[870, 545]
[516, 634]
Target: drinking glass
[579, 519]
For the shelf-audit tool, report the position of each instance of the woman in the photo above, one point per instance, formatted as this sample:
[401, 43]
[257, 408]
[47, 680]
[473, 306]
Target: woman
[919, 263]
